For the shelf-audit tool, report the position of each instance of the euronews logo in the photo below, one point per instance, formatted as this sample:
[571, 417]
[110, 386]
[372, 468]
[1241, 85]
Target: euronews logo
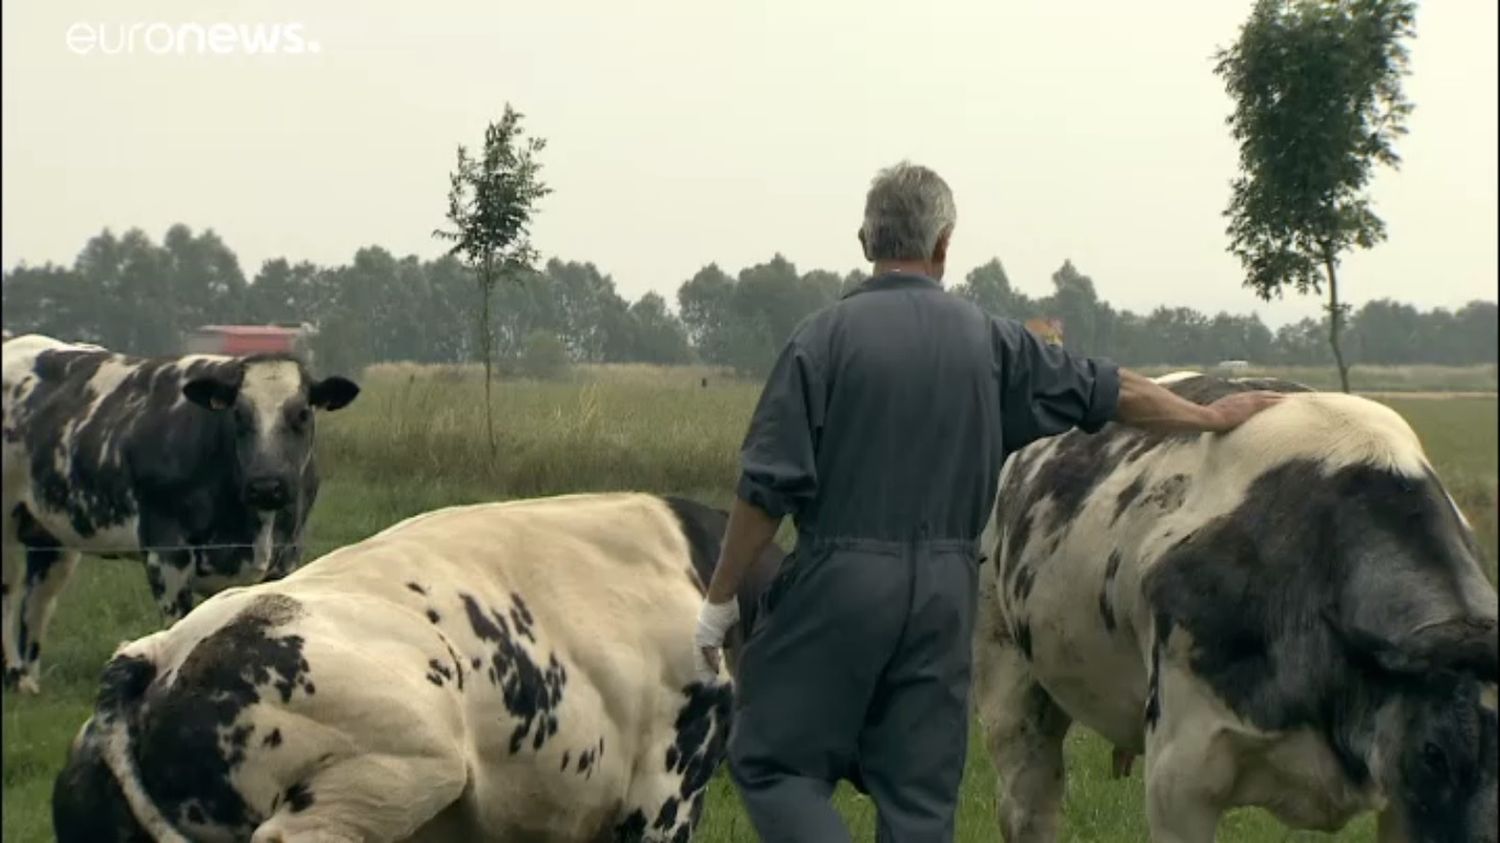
[160, 38]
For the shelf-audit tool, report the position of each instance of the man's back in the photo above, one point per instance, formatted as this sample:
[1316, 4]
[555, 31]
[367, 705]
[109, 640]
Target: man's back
[908, 448]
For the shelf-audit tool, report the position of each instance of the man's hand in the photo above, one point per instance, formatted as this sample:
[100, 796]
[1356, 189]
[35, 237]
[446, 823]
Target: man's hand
[1147, 404]
[714, 621]
[1233, 410]
[746, 535]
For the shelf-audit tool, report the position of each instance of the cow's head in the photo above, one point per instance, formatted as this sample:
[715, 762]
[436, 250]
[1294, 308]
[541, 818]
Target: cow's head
[1446, 762]
[1420, 620]
[269, 403]
[1437, 738]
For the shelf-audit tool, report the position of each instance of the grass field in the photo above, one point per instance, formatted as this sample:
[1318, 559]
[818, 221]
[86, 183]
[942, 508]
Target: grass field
[414, 441]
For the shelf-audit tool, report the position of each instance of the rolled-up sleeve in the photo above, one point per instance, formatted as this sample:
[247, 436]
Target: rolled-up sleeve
[1045, 390]
[778, 461]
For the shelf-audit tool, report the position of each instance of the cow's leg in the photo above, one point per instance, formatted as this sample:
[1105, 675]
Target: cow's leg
[670, 780]
[1023, 727]
[14, 560]
[170, 577]
[351, 800]
[1024, 731]
[48, 570]
[1188, 771]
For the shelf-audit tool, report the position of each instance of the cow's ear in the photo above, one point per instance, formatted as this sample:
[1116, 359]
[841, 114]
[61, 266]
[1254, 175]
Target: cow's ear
[1465, 645]
[211, 393]
[332, 393]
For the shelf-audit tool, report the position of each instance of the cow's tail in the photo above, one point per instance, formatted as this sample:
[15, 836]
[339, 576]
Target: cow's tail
[124, 682]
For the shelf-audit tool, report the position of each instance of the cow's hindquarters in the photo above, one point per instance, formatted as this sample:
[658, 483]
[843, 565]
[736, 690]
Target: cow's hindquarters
[1023, 728]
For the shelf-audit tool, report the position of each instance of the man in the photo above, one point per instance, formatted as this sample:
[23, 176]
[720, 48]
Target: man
[881, 430]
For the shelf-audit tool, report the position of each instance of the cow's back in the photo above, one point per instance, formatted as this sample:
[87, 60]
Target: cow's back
[547, 642]
[1082, 520]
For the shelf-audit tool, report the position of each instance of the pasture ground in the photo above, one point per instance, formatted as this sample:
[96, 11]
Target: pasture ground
[414, 441]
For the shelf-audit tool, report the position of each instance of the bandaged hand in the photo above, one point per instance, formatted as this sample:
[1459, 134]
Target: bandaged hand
[714, 622]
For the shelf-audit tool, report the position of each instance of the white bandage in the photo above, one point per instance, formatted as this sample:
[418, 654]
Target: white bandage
[714, 621]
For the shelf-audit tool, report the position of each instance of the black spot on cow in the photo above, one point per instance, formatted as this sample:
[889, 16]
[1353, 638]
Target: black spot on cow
[272, 740]
[299, 797]
[531, 693]
[1018, 533]
[564, 766]
[1107, 610]
[417, 588]
[438, 673]
[1025, 578]
[632, 829]
[703, 528]
[1168, 495]
[1163, 629]
[433, 616]
[178, 728]
[522, 618]
[1077, 465]
[87, 804]
[1106, 600]
[1023, 638]
[122, 684]
[1127, 496]
[458, 666]
[667, 816]
[698, 747]
[1207, 389]
[701, 735]
[195, 815]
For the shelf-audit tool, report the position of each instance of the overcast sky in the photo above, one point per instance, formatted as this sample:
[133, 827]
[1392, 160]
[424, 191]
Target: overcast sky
[687, 132]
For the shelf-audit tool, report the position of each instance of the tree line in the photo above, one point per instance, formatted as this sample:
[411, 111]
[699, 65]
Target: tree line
[130, 293]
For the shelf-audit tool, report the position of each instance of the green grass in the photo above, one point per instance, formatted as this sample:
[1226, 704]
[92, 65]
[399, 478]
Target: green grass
[414, 441]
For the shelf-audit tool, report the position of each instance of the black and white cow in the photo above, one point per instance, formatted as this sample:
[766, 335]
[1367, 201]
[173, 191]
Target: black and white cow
[515, 671]
[1292, 615]
[203, 465]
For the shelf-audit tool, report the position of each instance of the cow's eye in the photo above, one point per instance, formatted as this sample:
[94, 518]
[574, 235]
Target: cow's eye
[1434, 760]
[301, 418]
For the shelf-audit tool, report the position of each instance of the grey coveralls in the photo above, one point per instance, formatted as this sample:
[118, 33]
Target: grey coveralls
[881, 430]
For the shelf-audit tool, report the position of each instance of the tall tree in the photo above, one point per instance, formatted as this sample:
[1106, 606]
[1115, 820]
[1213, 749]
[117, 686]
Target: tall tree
[491, 200]
[1075, 301]
[704, 302]
[989, 287]
[659, 336]
[1318, 103]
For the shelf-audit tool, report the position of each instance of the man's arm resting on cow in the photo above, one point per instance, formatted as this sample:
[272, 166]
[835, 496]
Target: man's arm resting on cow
[1146, 404]
[749, 531]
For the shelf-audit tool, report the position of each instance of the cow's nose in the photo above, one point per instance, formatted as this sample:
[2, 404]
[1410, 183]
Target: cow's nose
[266, 493]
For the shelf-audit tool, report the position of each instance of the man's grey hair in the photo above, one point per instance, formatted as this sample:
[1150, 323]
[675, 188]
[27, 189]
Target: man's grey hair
[907, 209]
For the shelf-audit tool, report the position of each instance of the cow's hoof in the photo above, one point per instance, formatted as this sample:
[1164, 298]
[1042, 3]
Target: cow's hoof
[23, 683]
